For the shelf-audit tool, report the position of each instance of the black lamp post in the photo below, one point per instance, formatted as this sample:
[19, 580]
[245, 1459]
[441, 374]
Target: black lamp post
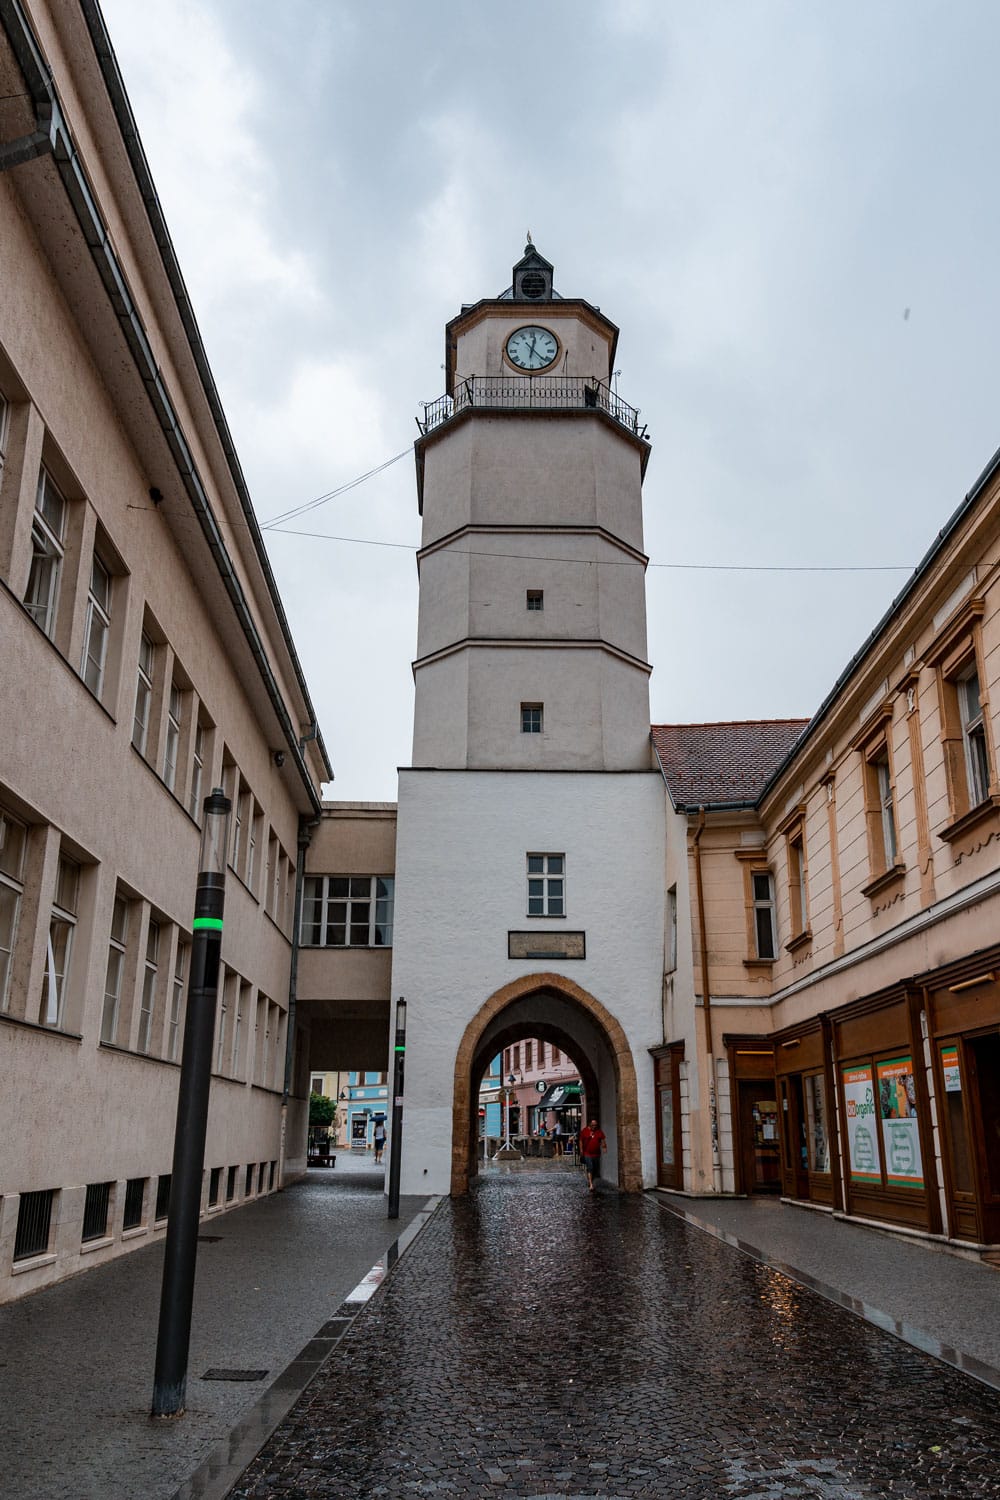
[177, 1294]
[396, 1139]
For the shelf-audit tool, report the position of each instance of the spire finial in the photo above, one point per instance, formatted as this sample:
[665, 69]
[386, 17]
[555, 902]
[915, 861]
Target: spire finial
[530, 245]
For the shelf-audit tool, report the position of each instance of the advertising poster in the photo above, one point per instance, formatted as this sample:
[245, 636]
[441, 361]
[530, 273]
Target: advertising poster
[862, 1131]
[897, 1100]
[951, 1070]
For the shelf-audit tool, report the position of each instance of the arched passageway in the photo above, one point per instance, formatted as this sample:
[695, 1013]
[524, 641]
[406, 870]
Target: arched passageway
[555, 1009]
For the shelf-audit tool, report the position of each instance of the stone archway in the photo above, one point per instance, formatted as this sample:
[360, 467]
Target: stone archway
[626, 1086]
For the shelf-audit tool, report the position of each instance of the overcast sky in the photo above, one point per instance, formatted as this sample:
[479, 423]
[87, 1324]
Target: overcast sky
[789, 209]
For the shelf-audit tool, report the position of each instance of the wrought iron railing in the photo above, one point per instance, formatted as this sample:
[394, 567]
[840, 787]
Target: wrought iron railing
[531, 393]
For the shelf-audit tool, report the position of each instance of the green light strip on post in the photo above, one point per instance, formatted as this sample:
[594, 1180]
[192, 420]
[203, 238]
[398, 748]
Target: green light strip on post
[400, 1049]
[207, 924]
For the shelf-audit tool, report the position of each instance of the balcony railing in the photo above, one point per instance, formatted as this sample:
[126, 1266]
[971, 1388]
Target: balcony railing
[531, 393]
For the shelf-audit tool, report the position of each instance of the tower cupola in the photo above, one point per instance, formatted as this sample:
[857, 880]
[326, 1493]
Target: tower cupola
[532, 277]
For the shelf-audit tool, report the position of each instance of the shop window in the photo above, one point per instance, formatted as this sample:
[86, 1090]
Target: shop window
[817, 1123]
[966, 740]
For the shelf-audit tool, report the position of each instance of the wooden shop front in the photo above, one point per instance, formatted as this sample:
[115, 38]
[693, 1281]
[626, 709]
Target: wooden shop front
[885, 1139]
[804, 1077]
[963, 1014]
[754, 1104]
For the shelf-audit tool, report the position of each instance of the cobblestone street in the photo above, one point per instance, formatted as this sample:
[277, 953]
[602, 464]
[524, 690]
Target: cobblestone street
[537, 1340]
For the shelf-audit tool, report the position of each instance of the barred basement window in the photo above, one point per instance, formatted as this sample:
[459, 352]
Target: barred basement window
[34, 1219]
[162, 1197]
[95, 1211]
[248, 1181]
[230, 1184]
[270, 1176]
[135, 1197]
[260, 1176]
[214, 1186]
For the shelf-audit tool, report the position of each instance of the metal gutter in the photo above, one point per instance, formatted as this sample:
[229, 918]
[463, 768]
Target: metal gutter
[70, 168]
[937, 546]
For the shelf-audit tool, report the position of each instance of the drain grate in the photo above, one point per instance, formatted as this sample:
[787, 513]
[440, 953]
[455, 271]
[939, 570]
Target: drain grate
[209, 1239]
[219, 1374]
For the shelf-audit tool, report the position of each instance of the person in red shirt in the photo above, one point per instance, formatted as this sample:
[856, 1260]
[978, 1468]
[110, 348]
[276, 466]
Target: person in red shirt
[593, 1142]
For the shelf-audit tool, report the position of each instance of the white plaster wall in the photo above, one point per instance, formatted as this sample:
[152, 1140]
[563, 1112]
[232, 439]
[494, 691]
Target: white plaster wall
[461, 885]
[596, 710]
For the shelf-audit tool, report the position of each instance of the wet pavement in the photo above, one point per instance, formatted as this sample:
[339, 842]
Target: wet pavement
[540, 1341]
[76, 1360]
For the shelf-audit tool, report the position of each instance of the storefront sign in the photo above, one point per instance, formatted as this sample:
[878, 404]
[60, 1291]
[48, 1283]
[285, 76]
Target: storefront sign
[900, 1134]
[862, 1132]
[951, 1070]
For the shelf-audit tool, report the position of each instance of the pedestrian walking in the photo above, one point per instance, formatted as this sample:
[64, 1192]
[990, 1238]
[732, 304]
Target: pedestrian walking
[557, 1136]
[378, 1135]
[593, 1143]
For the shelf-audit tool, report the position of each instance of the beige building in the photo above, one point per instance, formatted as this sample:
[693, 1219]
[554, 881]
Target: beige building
[145, 659]
[839, 905]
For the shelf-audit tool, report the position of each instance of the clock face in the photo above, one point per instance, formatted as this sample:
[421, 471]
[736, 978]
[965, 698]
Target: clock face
[532, 348]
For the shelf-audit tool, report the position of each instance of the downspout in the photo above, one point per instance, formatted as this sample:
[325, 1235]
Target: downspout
[306, 826]
[706, 1001]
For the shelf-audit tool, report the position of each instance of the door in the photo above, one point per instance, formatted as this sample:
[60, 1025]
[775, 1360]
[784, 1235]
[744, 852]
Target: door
[760, 1163]
[983, 1058]
[669, 1164]
[795, 1145]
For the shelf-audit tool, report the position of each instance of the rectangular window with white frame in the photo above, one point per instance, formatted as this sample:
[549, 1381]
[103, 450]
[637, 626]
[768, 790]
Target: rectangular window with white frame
[150, 975]
[48, 531]
[114, 977]
[97, 630]
[62, 926]
[177, 985]
[143, 694]
[347, 911]
[13, 841]
[198, 752]
[546, 885]
[171, 749]
[671, 944]
[762, 893]
[4, 429]
[532, 717]
[970, 712]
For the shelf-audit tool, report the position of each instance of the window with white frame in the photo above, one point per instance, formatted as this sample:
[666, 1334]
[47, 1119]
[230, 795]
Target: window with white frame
[171, 749]
[347, 911]
[13, 839]
[970, 712]
[47, 544]
[531, 718]
[115, 972]
[147, 1004]
[535, 599]
[762, 898]
[227, 1007]
[57, 955]
[176, 1002]
[143, 694]
[546, 885]
[671, 954]
[4, 428]
[253, 838]
[240, 813]
[197, 772]
[98, 627]
[886, 805]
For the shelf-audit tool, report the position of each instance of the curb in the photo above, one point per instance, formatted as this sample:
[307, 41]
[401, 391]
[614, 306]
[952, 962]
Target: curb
[219, 1472]
[966, 1364]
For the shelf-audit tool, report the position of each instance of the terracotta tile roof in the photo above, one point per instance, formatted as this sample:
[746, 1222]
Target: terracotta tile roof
[709, 764]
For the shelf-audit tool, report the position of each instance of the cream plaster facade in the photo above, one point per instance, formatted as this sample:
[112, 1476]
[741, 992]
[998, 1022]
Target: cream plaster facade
[145, 660]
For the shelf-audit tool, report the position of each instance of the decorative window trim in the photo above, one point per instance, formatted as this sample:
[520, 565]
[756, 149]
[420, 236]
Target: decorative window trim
[793, 830]
[874, 745]
[754, 861]
[955, 652]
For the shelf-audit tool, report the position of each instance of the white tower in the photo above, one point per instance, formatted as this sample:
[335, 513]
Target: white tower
[529, 868]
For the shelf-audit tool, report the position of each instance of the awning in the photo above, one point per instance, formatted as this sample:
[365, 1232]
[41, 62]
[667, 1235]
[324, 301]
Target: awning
[561, 1096]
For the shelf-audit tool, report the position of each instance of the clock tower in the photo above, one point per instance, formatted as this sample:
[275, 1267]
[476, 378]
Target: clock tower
[530, 825]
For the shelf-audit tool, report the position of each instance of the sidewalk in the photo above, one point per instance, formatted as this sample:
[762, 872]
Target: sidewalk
[76, 1360]
[938, 1301]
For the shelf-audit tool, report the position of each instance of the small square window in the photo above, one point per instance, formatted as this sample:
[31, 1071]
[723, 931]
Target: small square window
[531, 718]
[536, 599]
